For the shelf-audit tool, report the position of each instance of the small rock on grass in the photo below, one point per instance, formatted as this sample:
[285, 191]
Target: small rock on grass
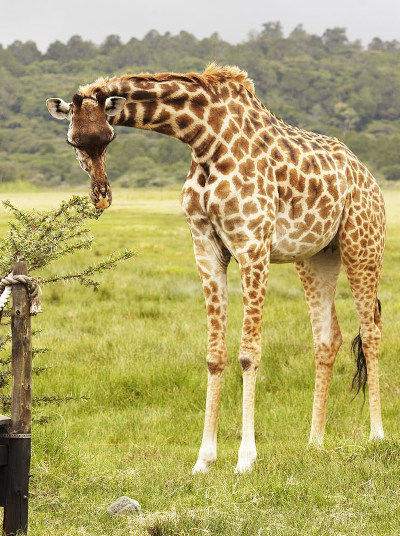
[124, 506]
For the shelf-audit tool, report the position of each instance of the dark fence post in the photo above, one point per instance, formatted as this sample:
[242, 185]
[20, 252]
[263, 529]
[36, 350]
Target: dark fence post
[19, 430]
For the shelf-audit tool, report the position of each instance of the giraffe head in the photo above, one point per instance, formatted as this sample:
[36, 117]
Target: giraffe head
[89, 133]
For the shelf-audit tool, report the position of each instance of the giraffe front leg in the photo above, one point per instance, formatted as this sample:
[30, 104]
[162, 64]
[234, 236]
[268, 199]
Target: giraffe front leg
[254, 280]
[212, 264]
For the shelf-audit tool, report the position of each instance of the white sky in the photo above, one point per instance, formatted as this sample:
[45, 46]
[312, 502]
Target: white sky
[44, 21]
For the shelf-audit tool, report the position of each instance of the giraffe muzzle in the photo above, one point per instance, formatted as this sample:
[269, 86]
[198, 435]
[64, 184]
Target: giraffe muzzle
[101, 196]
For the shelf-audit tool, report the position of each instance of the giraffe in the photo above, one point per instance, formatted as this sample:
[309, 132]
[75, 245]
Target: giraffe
[260, 191]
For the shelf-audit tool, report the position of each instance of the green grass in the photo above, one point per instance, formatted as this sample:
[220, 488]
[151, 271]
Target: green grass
[136, 350]
[16, 186]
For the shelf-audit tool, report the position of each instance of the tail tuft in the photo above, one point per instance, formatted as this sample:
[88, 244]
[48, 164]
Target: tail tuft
[360, 377]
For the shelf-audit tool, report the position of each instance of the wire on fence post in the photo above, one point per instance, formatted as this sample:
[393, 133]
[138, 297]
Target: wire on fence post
[32, 287]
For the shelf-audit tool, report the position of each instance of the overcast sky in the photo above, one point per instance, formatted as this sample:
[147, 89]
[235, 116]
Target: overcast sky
[45, 21]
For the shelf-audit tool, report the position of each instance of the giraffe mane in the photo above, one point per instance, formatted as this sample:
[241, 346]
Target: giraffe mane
[212, 75]
[215, 73]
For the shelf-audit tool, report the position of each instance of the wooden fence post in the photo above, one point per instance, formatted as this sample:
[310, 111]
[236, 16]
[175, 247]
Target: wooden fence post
[19, 430]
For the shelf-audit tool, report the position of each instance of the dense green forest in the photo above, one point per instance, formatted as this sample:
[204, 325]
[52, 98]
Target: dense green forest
[322, 83]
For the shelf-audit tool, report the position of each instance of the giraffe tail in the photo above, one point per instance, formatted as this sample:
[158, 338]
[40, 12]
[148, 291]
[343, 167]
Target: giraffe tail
[360, 377]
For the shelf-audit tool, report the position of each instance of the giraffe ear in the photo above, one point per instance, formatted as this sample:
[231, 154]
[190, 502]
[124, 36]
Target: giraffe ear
[59, 108]
[114, 105]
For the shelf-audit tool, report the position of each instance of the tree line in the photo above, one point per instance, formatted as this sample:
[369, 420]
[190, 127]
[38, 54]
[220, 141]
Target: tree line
[324, 83]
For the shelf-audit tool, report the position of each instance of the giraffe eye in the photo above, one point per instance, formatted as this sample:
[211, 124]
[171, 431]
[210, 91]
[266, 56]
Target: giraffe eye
[72, 144]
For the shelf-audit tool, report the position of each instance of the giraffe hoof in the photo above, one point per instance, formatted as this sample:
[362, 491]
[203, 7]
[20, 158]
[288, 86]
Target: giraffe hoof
[243, 466]
[245, 461]
[377, 436]
[201, 467]
[315, 443]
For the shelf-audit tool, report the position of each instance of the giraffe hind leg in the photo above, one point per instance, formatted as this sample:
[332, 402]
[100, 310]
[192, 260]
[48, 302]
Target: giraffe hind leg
[360, 377]
[366, 345]
[361, 251]
[319, 276]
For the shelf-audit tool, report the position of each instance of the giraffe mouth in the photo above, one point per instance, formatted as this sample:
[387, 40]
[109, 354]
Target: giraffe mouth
[101, 196]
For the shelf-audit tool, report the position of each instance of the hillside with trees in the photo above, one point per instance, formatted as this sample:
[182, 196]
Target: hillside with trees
[322, 83]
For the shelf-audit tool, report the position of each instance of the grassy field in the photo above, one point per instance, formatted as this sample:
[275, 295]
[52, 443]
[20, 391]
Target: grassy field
[136, 352]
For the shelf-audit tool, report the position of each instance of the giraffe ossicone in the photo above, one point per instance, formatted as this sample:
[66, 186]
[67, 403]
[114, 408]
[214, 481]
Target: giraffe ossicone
[259, 190]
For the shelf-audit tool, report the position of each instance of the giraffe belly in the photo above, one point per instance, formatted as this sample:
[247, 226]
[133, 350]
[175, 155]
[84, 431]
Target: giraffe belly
[285, 248]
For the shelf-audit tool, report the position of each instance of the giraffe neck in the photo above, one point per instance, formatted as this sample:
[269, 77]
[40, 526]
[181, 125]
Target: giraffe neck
[175, 108]
[207, 119]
